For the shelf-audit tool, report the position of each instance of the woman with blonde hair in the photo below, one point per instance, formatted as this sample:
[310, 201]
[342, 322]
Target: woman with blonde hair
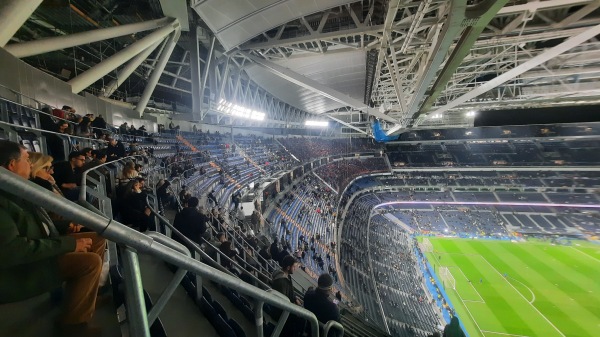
[41, 171]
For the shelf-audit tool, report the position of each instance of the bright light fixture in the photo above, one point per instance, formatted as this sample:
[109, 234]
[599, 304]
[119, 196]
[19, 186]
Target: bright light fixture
[435, 116]
[239, 111]
[321, 124]
[471, 113]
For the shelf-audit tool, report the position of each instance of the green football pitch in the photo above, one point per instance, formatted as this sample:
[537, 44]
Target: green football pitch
[547, 291]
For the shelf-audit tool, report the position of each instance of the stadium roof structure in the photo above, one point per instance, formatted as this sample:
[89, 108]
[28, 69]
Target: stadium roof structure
[412, 64]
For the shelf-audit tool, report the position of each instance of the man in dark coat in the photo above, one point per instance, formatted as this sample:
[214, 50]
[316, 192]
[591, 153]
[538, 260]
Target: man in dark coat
[37, 255]
[191, 223]
[281, 280]
[115, 149]
[68, 175]
[318, 302]
[453, 329]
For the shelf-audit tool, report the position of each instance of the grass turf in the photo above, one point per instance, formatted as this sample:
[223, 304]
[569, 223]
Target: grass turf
[549, 290]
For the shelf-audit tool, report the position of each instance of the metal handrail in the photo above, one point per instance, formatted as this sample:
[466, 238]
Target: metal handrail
[85, 173]
[267, 262]
[132, 239]
[245, 262]
[51, 132]
[332, 324]
[202, 253]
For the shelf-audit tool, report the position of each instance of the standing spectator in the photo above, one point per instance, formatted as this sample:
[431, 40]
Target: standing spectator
[241, 216]
[264, 253]
[274, 250]
[191, 223]
[212, 198]
[99, 124]
[281, 280]
[55, 142]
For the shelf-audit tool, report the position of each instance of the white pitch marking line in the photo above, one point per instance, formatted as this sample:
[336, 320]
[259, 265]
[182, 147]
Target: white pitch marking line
[518, 292]
[472, 286]
[502, 333]
[471, 301]
[586, 254]
[532, 294]
[470, 314]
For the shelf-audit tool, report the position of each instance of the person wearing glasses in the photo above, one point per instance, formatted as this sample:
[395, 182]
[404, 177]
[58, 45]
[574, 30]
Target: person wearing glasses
[68, 175]
[42, 170]
[37, 255]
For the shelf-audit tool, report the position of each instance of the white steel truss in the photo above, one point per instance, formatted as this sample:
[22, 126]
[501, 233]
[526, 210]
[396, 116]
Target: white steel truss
[406, 36]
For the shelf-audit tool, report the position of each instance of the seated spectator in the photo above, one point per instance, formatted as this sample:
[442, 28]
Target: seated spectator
[87, 152]
[98, 158]
[68, 175]
[37, 255]
[84, 128]
[318, 302]
[191, 223]
[41, 172]
[115, 149]
[128, 172]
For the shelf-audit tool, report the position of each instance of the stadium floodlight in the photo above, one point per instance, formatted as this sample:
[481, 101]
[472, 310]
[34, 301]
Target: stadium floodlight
[321, 124]
[471, 113]
[229, 108]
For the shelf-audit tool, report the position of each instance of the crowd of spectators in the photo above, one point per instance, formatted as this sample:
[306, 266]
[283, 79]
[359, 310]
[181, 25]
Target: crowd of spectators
[340, 173]
[306, 149]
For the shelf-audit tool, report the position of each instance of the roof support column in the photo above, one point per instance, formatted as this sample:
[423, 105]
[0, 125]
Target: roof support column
[14, 13]
[157, 72]
[195, 73]
[49, 44]
[129, 68]
[95, 73]
[207, 67]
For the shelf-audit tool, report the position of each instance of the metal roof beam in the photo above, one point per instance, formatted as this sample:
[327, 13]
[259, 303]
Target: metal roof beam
[522, 68]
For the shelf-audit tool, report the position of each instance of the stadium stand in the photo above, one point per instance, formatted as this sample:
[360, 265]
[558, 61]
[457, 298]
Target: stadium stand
[307, 216]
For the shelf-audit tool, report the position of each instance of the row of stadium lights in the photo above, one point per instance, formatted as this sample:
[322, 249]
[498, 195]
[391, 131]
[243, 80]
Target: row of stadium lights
[439, 116]
[240, 111]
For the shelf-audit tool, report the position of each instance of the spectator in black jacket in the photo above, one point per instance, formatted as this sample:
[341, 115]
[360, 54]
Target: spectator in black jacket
[68, 175]
[99, 124]
[274, 250]
[318, 302]
[281, 280]
[191, 223]
[115, 149]
[134, 210]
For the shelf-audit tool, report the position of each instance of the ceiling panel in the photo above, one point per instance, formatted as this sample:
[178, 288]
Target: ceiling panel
[343, 72]
[234, 25]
